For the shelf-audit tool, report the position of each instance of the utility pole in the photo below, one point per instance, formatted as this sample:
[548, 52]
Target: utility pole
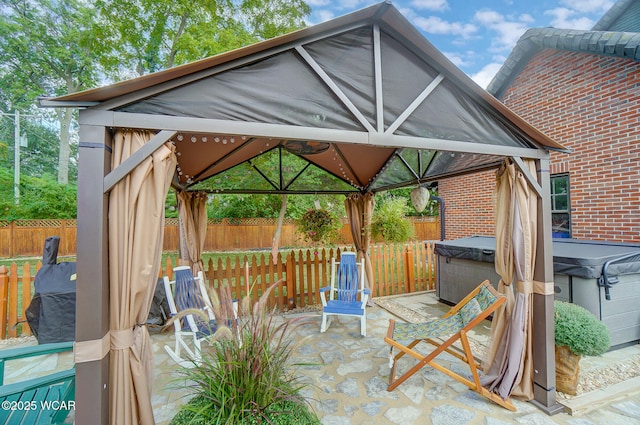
[16, 156]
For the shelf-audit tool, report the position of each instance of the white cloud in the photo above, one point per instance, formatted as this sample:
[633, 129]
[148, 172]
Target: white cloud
[440, 5]
[318, 3]
[459, 59]
[508, 30]
[323, 15]
[588, 6]
[435, 25]
[486, 74]
[566, 18]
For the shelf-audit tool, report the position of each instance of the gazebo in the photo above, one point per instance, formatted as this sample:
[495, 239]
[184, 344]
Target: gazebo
[356, 105]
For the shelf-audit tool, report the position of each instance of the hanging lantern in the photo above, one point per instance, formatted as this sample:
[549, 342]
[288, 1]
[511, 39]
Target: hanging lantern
[419, 198]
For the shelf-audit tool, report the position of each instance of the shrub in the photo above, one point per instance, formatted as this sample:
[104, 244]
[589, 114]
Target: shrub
[390, 223]
[244, 377]
[579, 330]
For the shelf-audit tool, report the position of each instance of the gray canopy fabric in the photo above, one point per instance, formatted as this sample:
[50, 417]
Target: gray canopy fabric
[136, 215]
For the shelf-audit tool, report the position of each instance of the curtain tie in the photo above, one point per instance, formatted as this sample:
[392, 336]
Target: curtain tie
[524, 287]
[121, 339]
[93, 350]
[543, 288]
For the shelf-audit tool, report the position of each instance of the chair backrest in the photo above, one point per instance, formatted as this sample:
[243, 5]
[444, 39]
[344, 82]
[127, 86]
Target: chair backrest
[483, 303]
[189, 293]
[347, 277]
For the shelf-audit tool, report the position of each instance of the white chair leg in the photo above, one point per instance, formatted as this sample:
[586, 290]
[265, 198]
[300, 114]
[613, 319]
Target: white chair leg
[363, 326]
[326, 321]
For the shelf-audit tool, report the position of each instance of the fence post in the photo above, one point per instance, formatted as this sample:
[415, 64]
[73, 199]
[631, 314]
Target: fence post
[409, 264]
[12, 238]
[4, 294]
[13, 301]
[291, 280]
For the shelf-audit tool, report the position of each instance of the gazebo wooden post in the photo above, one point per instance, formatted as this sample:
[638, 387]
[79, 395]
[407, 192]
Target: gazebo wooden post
[92, 289]
[544, 364]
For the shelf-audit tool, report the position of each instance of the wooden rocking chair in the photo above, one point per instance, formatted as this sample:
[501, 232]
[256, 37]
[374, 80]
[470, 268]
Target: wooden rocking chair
[442, 333]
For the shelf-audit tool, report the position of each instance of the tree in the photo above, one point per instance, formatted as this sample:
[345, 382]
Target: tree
[43, 198]
[48, 48]
[159, 34]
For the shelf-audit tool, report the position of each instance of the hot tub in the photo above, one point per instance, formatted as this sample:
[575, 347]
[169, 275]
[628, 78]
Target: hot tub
[603, 277]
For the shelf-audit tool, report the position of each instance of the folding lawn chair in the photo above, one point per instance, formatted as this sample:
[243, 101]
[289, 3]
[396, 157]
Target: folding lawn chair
[347, 285]
[442, 333]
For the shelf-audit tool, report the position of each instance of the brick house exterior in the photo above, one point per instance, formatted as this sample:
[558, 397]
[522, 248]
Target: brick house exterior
[581, 88]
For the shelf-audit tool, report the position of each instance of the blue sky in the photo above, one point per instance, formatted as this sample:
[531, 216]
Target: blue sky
[477, 35]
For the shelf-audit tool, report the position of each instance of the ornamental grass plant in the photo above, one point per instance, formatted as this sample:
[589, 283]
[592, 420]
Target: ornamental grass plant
[246, 375]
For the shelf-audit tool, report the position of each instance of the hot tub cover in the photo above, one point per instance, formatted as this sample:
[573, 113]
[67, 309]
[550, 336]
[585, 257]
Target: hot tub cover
[581, 258]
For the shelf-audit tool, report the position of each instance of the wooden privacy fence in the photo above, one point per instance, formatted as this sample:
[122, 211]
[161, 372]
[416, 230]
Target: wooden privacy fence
[398, 269]
[22, 238]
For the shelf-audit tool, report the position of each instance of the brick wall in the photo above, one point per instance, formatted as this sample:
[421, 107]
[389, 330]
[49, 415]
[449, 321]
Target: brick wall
[590, 104]
[469, 205]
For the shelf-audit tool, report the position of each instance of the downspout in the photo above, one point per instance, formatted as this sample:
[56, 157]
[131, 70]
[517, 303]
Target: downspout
[441, 203]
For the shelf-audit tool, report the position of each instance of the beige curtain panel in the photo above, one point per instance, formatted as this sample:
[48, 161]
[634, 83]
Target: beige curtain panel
[508, 362]
[359, 208]
[192, 219]
[136, 226]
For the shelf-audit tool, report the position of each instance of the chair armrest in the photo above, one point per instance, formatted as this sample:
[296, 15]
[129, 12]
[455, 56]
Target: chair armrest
[366, 291]
[67, 375]
[323, 297]
[31, 351]
[35, 350]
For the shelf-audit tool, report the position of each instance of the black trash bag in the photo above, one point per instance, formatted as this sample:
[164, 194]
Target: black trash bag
[51, 315]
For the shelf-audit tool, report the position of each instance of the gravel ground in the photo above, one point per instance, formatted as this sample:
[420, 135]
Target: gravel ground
[606, 376]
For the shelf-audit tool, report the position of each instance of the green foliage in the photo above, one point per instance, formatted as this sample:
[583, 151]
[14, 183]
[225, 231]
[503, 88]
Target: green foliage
[268, 206]
[159, 34]
[245, 376]
[579, 330]
[318, 225]
[389, 221]
[40, 156]
[49, 48]
[283, 413]
[40, 198]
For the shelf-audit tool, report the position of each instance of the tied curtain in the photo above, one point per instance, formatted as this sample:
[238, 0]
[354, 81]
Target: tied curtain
[359, 208]
[136, 230]
[192, 224]
[508, 362]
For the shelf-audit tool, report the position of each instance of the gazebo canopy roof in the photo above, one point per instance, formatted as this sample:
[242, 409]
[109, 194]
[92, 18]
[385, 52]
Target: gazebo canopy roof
[359, 103]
